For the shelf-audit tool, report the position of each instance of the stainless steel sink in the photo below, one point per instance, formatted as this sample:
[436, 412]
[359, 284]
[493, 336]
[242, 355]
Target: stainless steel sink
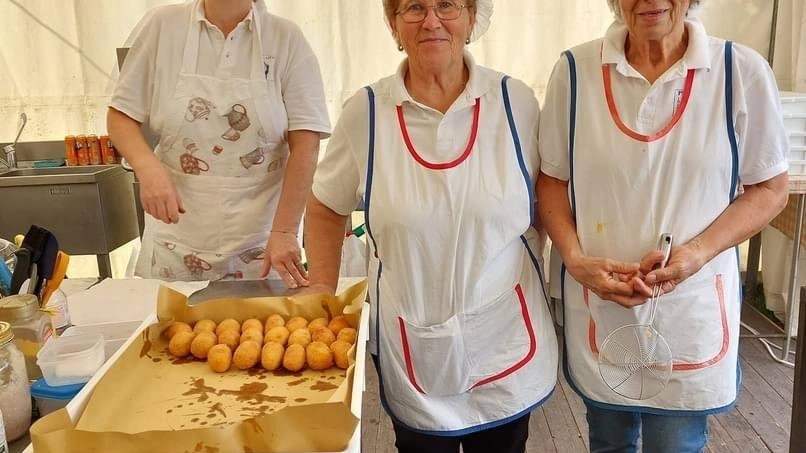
[90, 209]
[58, 175]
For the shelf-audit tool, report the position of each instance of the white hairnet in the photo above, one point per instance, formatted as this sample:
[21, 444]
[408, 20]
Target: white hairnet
[694, 5]
[484, 10]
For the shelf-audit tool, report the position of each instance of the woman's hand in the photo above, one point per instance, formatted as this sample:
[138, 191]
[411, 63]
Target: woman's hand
[158, 193]
[283, 255]
[611, 280]
[684, 261]
[317, 288]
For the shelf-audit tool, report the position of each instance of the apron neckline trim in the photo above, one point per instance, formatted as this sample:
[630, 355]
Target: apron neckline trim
[401, 120]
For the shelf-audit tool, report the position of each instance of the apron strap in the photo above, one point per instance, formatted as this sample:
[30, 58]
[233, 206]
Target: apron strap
[518, 149]
[734, 146]
[572, 125]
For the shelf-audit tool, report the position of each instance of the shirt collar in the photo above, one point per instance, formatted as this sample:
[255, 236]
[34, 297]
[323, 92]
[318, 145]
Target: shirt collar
[697, 54]
[475, 87]
[199, 17]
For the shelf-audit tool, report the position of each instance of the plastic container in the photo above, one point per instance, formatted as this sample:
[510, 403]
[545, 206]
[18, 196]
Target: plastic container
[50, 399]
[71, 360]
[115, 334]
[32, 327]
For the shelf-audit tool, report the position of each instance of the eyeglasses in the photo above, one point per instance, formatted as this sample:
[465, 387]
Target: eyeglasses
[416, 12]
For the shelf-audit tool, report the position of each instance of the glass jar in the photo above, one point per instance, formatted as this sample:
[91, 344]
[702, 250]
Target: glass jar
[32, 327]
[15, 393]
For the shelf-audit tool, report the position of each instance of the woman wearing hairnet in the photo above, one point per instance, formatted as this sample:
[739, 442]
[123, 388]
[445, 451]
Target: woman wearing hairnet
[443, 152]
[657, 128]
[236, 97]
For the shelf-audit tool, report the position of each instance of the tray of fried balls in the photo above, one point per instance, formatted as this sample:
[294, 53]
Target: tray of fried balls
[272, 343]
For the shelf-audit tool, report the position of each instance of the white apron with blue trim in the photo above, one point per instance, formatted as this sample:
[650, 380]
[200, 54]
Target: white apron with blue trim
[222, 142]
[626, 193]
[460, 322]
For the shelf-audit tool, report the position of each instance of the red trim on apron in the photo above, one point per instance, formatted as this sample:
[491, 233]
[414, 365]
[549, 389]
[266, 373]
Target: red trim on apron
[725, 340]
[611, 105]
[442, 165]
[407, 355]
[532, 344]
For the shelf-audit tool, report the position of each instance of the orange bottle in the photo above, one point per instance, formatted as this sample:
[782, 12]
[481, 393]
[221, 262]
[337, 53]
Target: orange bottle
[81, 150]
[70, 150]
[94, 147]
[107, 152]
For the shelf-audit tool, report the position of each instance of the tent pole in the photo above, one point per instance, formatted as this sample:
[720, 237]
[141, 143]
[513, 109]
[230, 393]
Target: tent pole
[773, 30]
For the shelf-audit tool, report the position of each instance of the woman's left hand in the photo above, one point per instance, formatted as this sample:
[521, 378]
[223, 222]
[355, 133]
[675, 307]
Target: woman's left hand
[684, 261]
[283, 255]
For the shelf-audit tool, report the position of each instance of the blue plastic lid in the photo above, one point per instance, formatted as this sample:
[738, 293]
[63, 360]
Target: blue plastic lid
[41, 389]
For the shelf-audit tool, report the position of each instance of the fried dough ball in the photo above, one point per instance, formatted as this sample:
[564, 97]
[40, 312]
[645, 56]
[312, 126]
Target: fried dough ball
[294, 358]
[274, 320]
[297, 322]
[230, 338]
[247, 355]
[338, 323]
[339, 348]
[301, 337]
[179, 346]
[176, 327]
[201, 345]
[228, 324]
[252, 323]
[318, 356]
[272, 356]
[322, 335]
[253, 334]
[204, 324]
[219, 358]
[347, 334]
[277, 334]
[318, 322]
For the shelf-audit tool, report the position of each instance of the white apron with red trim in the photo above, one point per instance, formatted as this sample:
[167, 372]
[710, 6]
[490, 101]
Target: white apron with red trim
[464, 337]
[222, 142]
[626, 193]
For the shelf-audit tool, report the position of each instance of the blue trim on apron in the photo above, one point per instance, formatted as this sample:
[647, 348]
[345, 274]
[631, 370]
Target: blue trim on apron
[734, 182]
[368, 203]
[518, 150]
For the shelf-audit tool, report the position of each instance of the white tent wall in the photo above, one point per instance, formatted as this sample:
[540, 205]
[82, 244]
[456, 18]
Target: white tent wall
[58, 57]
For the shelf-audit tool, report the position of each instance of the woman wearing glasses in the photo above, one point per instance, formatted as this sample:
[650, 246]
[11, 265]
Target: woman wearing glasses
[653, 129]
[444, 155]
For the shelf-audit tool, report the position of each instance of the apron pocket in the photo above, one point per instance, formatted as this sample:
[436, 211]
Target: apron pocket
[500, 337]
[700, 307]
[435, 356]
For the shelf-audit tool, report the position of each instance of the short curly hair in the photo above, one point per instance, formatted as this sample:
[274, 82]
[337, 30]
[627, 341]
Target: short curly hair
[692, 9]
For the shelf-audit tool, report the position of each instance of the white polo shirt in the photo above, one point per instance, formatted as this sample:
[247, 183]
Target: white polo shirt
[340, 178]
[150, 73]
[646, 108]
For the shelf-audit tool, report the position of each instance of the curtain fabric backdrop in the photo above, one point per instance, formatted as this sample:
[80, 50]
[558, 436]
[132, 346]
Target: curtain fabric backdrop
[59, 65]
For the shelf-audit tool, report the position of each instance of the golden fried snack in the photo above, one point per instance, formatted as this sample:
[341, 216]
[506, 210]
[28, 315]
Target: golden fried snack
[301, 337]
[272, 356]
[252, 323]
[318, 356]
[318, 322]
[339, 348]
[322, 335]
[297, 322]
[228, 324]
[200, 345]
[176, 327]
[247, 355]
[338, 323]
[230, 338]
[278, 334]
[253, 334]
[347, 334]
[179, 346]
[294, 358]
[204, 324]
[219, 358]
[274, 320]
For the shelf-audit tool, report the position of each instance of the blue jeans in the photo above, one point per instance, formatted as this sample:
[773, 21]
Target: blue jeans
[613, 431]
